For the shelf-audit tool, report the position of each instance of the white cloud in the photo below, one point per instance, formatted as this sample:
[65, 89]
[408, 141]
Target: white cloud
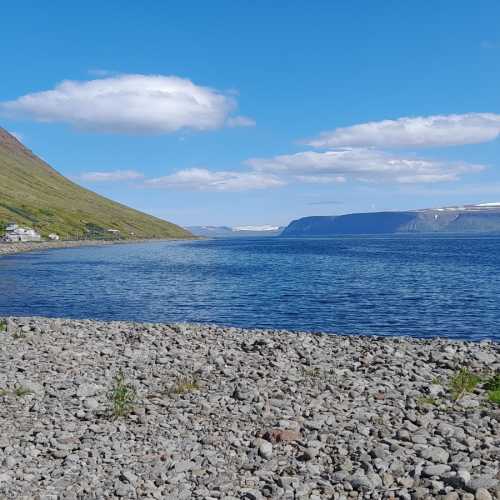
[240, 121]
[205, 180]
[131, 103]
[321, 179]
[366, 165]
[423, 131]
[114, 175]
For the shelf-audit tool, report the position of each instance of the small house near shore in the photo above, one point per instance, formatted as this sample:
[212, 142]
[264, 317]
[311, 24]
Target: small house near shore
[14, 233]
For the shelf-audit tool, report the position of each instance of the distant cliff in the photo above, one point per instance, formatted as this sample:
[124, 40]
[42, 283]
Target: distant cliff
[234, 232]
[469, 219]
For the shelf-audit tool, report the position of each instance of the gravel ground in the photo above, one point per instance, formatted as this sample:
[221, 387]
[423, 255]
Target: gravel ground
[121, 410]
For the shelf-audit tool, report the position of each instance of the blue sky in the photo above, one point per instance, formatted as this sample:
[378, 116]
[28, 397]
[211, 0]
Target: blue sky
[258, 112]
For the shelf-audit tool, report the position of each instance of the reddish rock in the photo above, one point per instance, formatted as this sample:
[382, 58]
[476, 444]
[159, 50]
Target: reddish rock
[281, 435]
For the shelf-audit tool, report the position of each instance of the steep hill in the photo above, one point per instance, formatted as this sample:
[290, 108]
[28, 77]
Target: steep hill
[32, 193]
[476, 219]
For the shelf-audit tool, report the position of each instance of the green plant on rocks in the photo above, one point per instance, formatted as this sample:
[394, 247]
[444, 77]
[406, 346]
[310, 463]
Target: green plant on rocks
[21, 391]
[492, 385]
[462, 382]
[123, 396]
[3, 325]
[427, 400]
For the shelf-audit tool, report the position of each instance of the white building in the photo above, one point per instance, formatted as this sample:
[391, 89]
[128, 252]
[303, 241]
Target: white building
[14, 233]
[54, 237]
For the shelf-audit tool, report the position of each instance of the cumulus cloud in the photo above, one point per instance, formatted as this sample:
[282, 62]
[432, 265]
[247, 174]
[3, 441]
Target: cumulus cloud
[131, 104]
[114, 175]
[206, 180]
[423, 131]
[361, 164]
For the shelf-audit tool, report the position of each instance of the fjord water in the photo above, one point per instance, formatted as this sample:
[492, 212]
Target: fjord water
[387, 285]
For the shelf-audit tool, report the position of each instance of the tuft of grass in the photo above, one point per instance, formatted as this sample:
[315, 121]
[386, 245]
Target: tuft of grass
[492, 385]
[427, 400]
[3, 325]
[462, 382]
[494, 396]
[185, 384]
[123, 396]
[436, 381]
[3, 392]
[21, 391]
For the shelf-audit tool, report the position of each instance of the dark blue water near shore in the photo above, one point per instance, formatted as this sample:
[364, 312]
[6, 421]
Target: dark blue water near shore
[395, 285]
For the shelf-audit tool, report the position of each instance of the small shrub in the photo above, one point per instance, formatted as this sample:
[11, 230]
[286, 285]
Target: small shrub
[492, 385]
[462, 382]
[3, 325]
[185, 384]
[21, 391]
[123, 396]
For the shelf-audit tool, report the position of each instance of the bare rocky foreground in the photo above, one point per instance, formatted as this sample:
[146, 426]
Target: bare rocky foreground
[227, 413]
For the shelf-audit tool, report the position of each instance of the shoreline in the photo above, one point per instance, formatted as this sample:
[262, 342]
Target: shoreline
[221, 412]
[31, 246]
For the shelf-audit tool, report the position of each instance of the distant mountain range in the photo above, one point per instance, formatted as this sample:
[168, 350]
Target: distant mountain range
[33, 194]
[229, 232]
[481, 218]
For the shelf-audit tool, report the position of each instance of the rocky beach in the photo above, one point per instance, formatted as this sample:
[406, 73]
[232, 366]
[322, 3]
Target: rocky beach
[96, 410]
[33, 246]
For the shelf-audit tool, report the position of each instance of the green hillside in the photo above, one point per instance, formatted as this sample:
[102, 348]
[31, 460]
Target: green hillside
[33, 194]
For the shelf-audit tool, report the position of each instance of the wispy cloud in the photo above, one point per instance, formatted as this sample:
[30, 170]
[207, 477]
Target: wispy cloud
[132, 104]
[364, 165]
[240, 121]
[422, 131]
[202, 179]
[325, 202]
[111, 176]
[101, 72]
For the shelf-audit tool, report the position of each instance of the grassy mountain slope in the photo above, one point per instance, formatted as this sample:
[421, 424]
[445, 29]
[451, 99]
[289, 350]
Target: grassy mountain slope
[32, 193]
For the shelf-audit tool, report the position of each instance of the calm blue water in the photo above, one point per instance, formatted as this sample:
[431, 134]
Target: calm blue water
[394, 285]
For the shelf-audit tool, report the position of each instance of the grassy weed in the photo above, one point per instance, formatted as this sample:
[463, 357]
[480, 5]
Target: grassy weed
[123, 396]
[462, 382]
[492, 385]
